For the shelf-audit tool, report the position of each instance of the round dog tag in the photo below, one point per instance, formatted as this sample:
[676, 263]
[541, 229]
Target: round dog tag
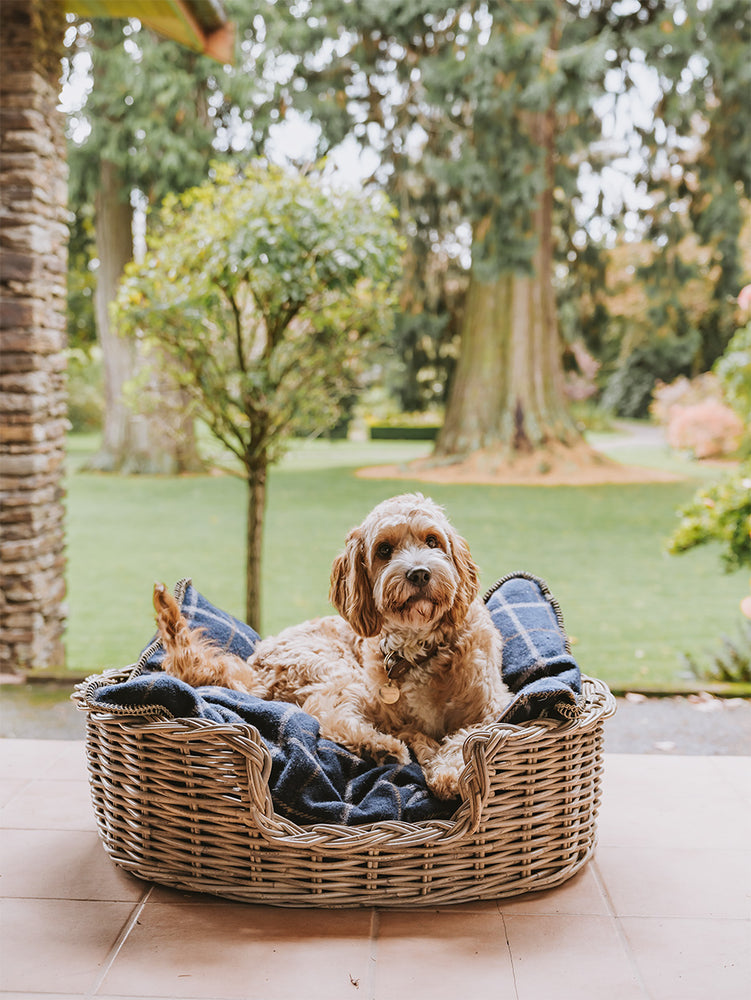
[389, 693]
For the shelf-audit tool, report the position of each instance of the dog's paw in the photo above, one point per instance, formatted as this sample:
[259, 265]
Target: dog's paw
[390, 751]
[442, 780]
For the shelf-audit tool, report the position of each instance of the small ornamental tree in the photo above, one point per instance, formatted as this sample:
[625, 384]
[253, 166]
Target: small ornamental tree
[266, 289]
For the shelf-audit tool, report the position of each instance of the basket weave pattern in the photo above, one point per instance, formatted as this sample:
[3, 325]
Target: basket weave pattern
[186, 803]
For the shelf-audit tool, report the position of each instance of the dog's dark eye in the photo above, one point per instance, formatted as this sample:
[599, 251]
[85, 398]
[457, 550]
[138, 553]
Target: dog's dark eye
[384, 550]
[432, 542]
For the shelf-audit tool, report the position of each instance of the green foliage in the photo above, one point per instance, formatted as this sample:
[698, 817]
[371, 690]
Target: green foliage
[451, 101]
[730, 662]
[159, 112]
[81, 325]
[697, 163]
[265, 289]
[450, 97]
[156, 110]
[424, 354]
[629, 389]
[85, 396]
[455, 103]
[719, 513]
[734, 372]
[722, 170]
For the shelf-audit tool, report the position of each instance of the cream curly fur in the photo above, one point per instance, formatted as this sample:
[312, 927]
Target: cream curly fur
[406, 589]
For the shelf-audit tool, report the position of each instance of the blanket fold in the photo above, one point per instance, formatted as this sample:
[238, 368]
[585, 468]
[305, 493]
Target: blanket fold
[314, 780]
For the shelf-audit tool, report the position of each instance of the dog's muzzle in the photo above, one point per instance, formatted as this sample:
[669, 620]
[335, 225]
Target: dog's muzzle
[419, 576]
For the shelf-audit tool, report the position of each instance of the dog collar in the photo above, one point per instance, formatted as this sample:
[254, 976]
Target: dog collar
[397, 665]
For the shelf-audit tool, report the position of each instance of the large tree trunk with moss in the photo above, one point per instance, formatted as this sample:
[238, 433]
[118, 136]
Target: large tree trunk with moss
[508, 388]
[114, 244]
[158, 436]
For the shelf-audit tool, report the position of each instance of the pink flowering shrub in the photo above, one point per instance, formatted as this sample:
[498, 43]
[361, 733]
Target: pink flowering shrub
[683, 392]
[695, 416]
[708, 429]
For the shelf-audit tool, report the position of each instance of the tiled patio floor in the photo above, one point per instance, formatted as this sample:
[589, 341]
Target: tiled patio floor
[662, 912]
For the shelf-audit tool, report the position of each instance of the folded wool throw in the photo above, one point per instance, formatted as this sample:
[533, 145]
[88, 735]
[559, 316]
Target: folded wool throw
[314, 780]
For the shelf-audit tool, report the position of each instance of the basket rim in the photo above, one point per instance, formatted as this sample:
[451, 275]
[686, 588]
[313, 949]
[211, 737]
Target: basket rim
[596, 704]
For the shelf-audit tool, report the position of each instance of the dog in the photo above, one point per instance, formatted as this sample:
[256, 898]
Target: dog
[412, 661]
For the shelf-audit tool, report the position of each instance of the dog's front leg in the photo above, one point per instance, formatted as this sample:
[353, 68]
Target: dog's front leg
[424, 747]
[443, 766]
[340, 723]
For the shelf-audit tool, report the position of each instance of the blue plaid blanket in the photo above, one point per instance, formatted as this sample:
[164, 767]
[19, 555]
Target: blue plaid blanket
[314, 780]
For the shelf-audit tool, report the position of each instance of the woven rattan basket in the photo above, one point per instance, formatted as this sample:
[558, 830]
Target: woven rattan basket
[186, 803]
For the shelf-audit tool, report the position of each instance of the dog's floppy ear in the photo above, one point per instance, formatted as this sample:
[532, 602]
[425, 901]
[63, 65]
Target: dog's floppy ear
[351, 591]
[469, 580]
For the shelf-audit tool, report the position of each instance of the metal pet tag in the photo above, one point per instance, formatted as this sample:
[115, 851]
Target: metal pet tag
[389, 693]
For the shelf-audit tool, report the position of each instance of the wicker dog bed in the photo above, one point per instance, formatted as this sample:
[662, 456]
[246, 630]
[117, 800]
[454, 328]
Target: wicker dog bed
[186, 803]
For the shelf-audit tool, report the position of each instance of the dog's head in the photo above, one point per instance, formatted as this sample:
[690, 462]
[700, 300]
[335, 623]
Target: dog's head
[404, 566]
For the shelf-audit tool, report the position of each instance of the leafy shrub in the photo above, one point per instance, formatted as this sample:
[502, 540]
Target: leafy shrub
[85, 389]
[709, 429]
[589, 416]
[629, 389]
[734, 372]
[696, 417]
[721, 513]
[682, 392]
[731, 662]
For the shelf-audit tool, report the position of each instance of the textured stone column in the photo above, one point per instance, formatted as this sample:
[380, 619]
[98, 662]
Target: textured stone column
[33, 266]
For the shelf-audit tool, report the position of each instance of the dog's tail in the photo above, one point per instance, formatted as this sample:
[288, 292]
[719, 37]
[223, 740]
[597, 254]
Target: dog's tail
[189, 654]
[185, 649]
[169, 620]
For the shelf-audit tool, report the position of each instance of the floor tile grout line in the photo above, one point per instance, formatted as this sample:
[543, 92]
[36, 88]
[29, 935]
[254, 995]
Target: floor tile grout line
[122, 937]
[618, 926]
[502, 915]
[375, 927]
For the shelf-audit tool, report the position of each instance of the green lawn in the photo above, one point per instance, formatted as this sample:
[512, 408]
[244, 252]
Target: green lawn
[630, 608]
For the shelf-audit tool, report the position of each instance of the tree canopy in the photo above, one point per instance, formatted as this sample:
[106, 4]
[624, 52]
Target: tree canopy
[522, 143]
[639, 106]
[153, 118]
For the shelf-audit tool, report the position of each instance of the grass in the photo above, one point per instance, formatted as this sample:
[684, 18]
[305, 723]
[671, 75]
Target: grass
[630, 609]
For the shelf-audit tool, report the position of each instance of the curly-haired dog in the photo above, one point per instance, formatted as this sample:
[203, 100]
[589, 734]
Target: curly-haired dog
[413, 661]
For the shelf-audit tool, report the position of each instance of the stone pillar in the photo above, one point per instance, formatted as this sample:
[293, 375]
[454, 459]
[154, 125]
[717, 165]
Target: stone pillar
[33, 267]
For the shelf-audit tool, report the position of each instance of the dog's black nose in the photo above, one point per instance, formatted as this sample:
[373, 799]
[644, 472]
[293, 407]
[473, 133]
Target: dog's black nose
[419, 575]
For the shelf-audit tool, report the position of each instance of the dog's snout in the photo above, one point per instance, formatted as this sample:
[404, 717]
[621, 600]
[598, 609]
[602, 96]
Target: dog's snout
[419, 576]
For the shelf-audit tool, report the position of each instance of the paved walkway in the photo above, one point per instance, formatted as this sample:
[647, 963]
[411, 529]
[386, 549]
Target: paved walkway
[661, 913]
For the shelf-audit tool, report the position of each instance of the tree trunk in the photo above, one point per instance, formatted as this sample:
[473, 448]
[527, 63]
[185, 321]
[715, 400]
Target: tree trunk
[114, 244]
[508, 388]
[160, 438]
[257, 473]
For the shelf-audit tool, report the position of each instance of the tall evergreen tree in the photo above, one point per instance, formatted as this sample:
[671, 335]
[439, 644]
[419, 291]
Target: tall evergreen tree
[482, 113]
